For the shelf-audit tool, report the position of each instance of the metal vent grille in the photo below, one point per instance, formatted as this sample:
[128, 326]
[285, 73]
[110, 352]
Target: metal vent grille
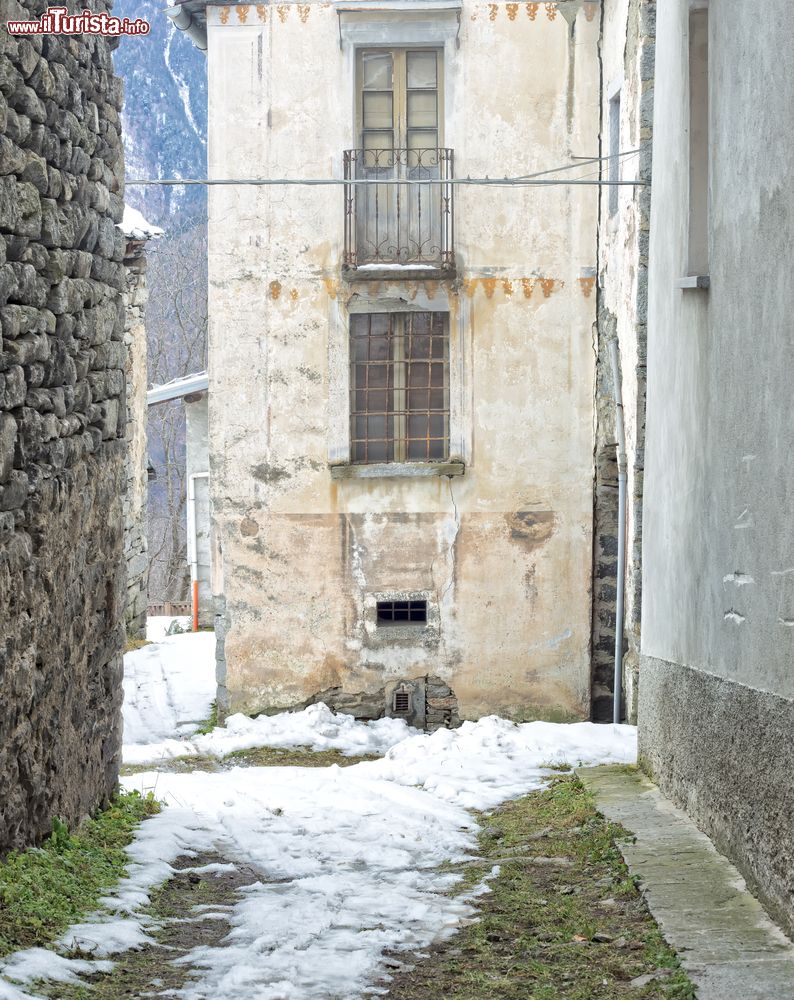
[402, 612]
[401, 703]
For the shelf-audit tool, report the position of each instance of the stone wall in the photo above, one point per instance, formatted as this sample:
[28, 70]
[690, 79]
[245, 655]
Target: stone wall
[136, 546]
[62, 423]
[432, 703]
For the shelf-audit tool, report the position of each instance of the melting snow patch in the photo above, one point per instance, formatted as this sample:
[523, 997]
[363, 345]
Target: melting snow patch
[168, 687]
[135, 227]
[158, 625]
[348, 859]
[316, 727]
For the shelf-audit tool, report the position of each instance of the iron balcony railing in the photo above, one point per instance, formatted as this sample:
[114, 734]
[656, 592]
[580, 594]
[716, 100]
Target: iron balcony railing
[395, 222]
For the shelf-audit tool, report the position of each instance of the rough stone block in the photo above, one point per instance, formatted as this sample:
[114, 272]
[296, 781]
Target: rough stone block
[14, 492]
[8, 438]
[12, 388]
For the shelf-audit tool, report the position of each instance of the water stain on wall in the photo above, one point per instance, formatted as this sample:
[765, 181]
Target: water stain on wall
[531, 528]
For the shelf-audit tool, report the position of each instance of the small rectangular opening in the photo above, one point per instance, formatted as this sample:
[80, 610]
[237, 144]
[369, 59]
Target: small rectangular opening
[614, 153]
[402, 702]
[402, 613]
[699, 207]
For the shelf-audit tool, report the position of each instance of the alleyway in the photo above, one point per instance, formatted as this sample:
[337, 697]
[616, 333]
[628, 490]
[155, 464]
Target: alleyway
[305, 878]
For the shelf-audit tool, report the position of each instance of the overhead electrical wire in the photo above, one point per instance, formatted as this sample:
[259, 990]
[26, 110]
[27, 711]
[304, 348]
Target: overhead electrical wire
[539, 179]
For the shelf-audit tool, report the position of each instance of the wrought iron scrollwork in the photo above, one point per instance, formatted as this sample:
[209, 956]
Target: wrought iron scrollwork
[396, 221]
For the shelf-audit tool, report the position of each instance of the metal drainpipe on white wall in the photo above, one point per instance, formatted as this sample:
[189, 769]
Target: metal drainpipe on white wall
[621, 450]
[186, 22]
[192, 543]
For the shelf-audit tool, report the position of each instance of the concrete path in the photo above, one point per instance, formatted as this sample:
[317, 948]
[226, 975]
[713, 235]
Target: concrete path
[726, 942]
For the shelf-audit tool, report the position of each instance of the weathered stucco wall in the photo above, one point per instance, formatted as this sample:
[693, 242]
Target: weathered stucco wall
[135, 496]
[718, 565]
[504, 552]
[627, 68]
[62, 424]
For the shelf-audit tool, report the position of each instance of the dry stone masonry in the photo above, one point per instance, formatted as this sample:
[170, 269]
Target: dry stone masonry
[427, 702]
[628, 52]
[136, 547]
[62, 426]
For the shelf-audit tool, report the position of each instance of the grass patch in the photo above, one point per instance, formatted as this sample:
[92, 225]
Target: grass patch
[564, 918]
[44, 890]
[252, 757]
[292, 757]
[134, 643]
[210, 722]
[540, 713]
[153, 970]
[175, 765]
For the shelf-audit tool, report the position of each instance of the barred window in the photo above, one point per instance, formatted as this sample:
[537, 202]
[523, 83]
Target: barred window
[399, 387]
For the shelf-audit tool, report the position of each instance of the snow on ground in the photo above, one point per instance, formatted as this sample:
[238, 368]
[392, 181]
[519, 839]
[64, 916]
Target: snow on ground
[347, 858]
[316, 727]
[158, 625]
[168, 687]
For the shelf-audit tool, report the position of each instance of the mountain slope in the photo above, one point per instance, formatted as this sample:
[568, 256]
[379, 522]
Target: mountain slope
[164, 116]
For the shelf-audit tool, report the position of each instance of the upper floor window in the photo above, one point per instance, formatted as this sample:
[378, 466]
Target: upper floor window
[401, 212]
[699, 207]
[399, 98]
[399, 387]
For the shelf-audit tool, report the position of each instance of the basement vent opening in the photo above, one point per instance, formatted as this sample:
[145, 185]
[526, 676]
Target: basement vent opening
[401, 703]
[402, 612]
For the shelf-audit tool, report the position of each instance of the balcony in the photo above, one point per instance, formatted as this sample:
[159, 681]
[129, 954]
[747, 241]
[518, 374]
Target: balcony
[395, 224]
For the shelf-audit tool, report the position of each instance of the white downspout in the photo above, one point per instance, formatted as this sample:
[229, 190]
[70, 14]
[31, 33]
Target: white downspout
[192, 542]
[621, 570]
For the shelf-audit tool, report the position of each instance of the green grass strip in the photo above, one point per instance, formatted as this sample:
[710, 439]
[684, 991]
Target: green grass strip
[45, 889]
[210, 722]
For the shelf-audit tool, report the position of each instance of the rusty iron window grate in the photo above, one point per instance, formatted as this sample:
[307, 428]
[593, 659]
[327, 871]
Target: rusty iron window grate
[399, 387]
[402, 612]
[401, 702]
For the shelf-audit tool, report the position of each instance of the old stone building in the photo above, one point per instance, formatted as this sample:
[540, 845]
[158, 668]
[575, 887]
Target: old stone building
[137, 232]
[716, 698]
[627, 95]
[400, 405]
[62, 426]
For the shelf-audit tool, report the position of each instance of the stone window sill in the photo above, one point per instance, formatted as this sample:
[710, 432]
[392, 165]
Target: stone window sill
[397, 272]
[702, 281]
[398, 470]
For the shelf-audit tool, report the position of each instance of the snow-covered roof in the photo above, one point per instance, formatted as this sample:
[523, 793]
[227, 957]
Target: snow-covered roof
[135, 227]
[177, 388]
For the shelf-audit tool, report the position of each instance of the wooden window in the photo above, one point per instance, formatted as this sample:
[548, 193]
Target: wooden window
[399, 101]
[399, 387]
[699, 208]
[399, 98]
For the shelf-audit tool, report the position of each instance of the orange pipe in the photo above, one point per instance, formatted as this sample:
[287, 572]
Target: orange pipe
[195, 606]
